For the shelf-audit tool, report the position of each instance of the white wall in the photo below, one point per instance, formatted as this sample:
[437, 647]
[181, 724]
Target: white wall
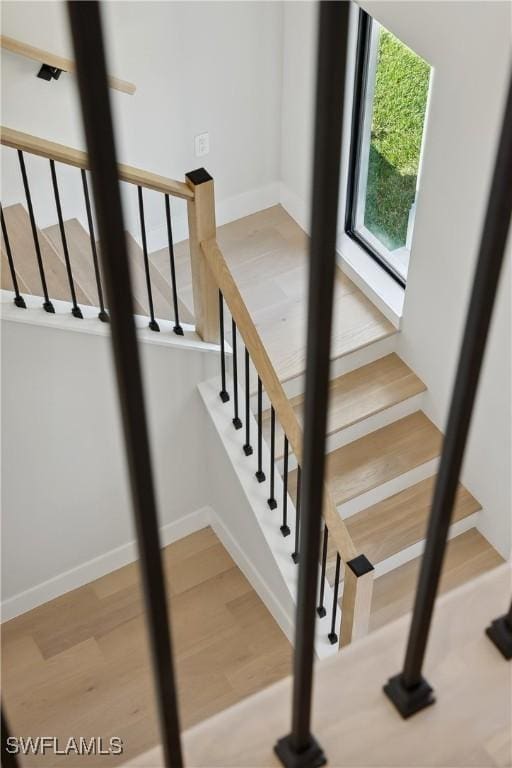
[468, 45]
[65, 498]
[200, 66]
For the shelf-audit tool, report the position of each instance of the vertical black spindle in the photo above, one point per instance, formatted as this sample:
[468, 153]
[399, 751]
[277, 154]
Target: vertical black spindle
[300, 747]
[295, 553]
[102, 315]
[18, 298]
[247, 446]
[153, 325]
[8, 759]
[177, 327]
[333, 637]
[223, 394]
[272, 501]
[90, 61]
[47, 304]
[236, 419]
[285, 529]
[409, 691]
[321, 607]
[260, 475]
[500, 632]
[75, 311]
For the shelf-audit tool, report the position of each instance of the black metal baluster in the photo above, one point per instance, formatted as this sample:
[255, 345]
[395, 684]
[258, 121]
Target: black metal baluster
[409, 691]
[8, 759]
[247, 446]
[18, 298]
[178, 330]
[260, 475]
[321, 607]
[236, 419]
[102, 315]
[272, 501]
[333, 637]
[75, 311]
[500, 632]
[295, 553]
[285, 529]
[299, 747]
[93, 88]
[153, 325]
[47, 304]
[223, 394]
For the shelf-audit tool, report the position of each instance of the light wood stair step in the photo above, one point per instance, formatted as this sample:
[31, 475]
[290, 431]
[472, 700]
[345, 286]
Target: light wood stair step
[467, 556]
[357, 395]
[379, 457]
[161, 273]
[80, 255]
[398, 522]
[22, 246]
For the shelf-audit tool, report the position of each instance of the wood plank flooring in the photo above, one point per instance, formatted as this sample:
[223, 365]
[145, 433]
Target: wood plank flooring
[267, 254]
[357, 726]
[79, 665]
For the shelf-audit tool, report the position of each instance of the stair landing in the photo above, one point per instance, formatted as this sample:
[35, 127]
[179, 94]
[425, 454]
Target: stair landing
[267, 254]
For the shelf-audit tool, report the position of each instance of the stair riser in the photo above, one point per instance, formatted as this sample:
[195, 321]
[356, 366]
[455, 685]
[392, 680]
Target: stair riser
[340, 366]
[416, 550]
[364, 427]
[385, 490]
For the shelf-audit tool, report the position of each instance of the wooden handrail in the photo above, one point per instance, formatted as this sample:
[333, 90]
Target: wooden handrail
[273, 387]
[59, 152]
[58, 62]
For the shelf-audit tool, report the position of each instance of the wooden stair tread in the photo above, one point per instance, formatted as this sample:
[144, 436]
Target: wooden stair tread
[80, 256]
[161, 270]
[379, 457]
[160, 287]
[398, 522]
[467, 556]
[22, 246]
[358, 395]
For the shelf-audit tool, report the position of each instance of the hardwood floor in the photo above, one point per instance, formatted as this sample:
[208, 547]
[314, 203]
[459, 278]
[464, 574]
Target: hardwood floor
[79, 664]
[469, 725]
[267, 254]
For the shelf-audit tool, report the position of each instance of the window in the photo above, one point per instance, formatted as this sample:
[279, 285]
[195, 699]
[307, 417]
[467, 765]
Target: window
[390, 101]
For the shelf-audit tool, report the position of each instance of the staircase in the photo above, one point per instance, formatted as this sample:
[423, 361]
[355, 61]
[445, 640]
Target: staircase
[79, 245]
[383, 451]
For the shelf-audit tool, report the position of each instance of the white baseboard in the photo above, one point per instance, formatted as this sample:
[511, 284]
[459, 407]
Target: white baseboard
[127, 553]
[99, 566]
[253, 576]
[295, 206]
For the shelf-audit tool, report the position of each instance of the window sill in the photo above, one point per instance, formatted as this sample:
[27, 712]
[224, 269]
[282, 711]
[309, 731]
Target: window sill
[371, 279]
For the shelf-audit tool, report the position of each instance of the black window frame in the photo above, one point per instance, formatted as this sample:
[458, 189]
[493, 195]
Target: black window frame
[364, 29]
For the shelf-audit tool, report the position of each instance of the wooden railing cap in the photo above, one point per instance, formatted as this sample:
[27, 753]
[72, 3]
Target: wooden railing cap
[34, 145]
